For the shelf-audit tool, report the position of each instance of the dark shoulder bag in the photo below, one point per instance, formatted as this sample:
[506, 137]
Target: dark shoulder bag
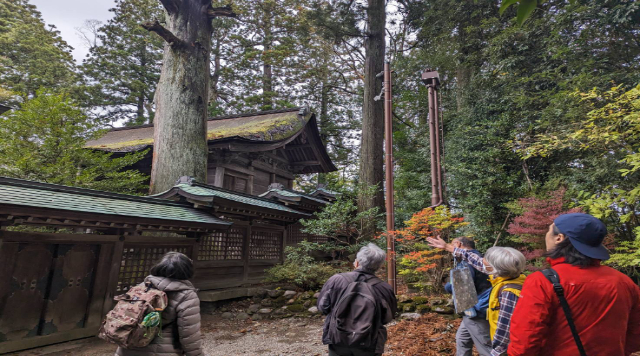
[553, 277]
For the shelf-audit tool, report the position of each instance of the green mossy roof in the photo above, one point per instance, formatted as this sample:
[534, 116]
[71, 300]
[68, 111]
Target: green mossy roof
[50, 196]
[267, 126]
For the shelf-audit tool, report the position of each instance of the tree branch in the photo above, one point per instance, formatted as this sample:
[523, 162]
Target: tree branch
[225, 11]
[171, 5]
[156, 27]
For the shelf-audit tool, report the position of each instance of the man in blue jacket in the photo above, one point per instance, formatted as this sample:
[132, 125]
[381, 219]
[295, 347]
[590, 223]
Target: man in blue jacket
[472, 330]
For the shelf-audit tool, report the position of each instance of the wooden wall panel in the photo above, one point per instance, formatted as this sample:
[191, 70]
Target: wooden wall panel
[261, 181]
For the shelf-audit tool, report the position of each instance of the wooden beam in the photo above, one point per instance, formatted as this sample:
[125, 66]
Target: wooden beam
[305, 163]
[114, 273]
[218, 181]
[293, 147]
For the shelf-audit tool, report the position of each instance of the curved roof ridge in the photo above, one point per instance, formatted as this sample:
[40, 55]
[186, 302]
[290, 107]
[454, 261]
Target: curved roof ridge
[222, 117]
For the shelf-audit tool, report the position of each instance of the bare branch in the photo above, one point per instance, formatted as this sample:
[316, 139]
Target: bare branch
[171, 5]
[171, 39]
[225, 11]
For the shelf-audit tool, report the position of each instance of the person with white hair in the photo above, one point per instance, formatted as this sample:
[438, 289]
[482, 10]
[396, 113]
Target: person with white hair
[358, 305]
[504, 265]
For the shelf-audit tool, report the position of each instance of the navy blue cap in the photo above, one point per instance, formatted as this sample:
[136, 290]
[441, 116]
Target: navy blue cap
[585, 233]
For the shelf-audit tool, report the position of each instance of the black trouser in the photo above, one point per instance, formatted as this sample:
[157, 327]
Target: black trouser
[350, 351]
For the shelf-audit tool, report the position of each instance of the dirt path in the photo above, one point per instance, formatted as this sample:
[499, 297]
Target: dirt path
[292, 336]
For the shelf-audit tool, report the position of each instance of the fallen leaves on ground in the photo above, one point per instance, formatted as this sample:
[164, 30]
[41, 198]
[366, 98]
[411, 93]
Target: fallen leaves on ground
[432, 334]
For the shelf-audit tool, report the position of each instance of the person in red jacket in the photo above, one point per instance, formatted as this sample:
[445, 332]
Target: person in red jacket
[604, 303]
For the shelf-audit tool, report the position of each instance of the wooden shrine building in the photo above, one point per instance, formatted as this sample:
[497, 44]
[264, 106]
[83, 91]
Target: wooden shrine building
[65, 252]
[247, 152]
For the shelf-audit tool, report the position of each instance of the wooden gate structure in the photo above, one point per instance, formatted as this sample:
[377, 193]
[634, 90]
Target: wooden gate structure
[66, 252]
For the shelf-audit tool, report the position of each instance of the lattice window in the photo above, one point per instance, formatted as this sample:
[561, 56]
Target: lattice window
[221, 245]
[317, 238]
[295, 234]
[137, 262]
[265, 245]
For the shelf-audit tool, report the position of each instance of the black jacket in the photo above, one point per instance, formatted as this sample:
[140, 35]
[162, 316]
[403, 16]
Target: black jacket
[333, 288]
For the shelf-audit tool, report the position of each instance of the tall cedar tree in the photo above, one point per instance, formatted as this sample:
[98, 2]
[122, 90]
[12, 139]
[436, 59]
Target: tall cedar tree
[123, 68]
[180, 137]
[33, 55]
[349, 22]
[371, 153]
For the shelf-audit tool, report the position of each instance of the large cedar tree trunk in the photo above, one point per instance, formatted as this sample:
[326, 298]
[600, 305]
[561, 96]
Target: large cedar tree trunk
[180, 143]
[371, 153]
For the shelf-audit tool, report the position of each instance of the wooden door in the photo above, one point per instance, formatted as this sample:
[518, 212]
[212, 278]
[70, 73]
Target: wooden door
[46, 291]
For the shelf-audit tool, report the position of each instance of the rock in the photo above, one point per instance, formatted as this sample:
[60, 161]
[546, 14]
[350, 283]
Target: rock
[281, 300]
[410, 316]
[306, 295]
[290, 294]
[307, 304]
[413, 287]
[275, 293]
[242, 316]
[420, 300]
[224, 310]
[423, 308]
[436, 301]
[260, 293]
[256, 317]
[443, 310]
[408, 307]
[227, 315]
[296, 308]
[405, 299]
[291, 301]
[253, 308]
[313, 310]
[317, 295]
[265, 310]
[449, 303]
[266, 302]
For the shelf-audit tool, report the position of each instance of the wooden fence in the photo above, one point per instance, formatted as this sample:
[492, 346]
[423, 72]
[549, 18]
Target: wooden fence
[58, 287]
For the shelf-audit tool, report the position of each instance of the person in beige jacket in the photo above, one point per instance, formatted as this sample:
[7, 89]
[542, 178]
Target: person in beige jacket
[181, 319]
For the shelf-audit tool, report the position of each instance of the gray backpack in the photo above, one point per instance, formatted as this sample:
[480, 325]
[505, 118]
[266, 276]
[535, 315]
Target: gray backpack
[357, 316]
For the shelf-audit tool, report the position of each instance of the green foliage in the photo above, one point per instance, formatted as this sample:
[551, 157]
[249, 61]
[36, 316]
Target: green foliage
[302, 269]
[123, 65]
[525, 8]
[502, 86]
[44, 141]
[341, 220]
[611, 128]
[31, 55]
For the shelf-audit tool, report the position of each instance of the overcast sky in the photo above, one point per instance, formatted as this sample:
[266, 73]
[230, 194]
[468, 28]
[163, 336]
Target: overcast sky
[69, 14]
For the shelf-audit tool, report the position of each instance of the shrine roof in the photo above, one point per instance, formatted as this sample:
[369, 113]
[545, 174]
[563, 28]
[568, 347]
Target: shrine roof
[278, 191]
[203, 193]
[23, 194]
[265, 126]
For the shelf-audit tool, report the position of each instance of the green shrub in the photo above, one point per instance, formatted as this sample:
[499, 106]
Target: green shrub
[301, 269]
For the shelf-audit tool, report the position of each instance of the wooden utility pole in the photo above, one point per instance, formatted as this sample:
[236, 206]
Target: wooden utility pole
[388, 148]
[432, 80]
